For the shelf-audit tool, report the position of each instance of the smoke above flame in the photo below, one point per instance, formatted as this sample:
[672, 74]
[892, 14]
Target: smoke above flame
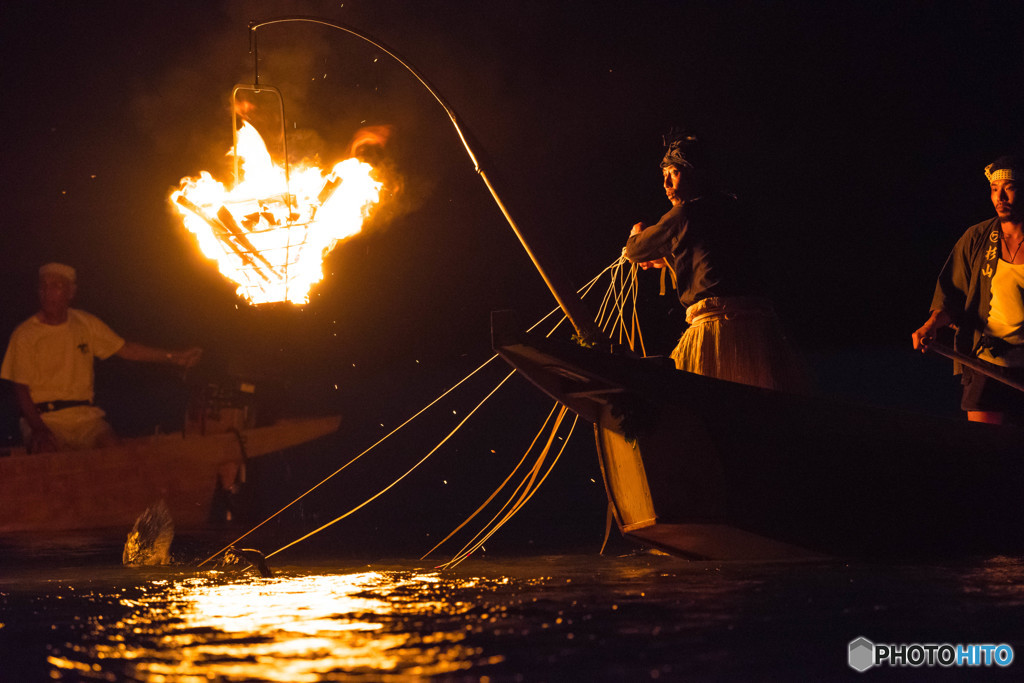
[272, 230]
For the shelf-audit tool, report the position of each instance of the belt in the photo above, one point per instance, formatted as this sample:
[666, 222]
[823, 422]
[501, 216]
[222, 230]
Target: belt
[51, 406]
[999, 347]
[1000, 352]
[726, 307]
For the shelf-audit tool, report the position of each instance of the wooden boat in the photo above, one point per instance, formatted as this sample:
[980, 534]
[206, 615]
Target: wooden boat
[109, 487]
[706, 468]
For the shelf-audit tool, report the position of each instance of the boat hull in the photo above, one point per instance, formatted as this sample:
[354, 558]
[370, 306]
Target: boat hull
[109, 487]
[714, 469]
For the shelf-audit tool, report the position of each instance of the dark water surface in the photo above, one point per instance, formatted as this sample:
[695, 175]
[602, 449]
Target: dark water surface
[77, 615]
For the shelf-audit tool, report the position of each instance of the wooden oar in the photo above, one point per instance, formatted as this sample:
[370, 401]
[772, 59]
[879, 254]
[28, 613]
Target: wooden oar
[974, 364]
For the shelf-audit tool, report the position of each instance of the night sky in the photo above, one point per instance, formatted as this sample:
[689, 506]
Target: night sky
[855, 133]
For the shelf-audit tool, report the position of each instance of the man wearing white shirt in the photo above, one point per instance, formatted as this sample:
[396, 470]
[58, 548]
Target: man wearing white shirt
[50, 360]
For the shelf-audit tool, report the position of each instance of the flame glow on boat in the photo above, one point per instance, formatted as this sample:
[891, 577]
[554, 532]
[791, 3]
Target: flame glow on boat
[270, 233]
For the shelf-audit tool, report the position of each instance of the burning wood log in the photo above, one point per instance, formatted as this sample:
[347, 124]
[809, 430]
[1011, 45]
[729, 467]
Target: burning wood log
[228, 220]
[251, 220]
[222, 233]
[331, 184]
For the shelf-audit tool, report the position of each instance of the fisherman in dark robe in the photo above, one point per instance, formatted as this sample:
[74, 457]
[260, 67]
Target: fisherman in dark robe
[733, 332]
[980, 291]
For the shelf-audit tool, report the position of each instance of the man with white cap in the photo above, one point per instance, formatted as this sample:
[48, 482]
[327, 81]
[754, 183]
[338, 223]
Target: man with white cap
[980, 291]
[50, 360]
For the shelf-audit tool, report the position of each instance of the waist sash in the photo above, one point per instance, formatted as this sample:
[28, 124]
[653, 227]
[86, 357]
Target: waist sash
[726, 308]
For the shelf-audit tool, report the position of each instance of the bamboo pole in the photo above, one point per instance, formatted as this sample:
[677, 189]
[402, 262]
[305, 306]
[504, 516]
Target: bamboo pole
[974, 364]
[564, 293]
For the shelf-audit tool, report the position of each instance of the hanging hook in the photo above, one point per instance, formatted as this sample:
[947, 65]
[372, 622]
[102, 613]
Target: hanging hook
[254, 51]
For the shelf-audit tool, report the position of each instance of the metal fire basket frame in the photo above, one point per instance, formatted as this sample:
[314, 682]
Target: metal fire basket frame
[248, 248]
[258, 90]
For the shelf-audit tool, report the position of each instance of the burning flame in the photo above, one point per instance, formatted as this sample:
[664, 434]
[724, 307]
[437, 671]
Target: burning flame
[270, 233]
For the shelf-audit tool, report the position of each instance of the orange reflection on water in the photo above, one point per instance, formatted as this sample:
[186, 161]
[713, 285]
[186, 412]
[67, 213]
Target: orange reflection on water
[998, 578]
[301, 628]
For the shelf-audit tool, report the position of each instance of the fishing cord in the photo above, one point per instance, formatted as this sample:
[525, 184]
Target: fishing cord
[407, 473]
[583, 291]
[612, 307]
[524, 499]
[619, 301]
[609, 517]
[629, 297]
[636, 313]
[603, 313]
[630, 289]
[536, 438]
[497, 490]
[621, 294]
[337, 471]
[614, 267]
[524, 487]
[611, 315]
[452, 433]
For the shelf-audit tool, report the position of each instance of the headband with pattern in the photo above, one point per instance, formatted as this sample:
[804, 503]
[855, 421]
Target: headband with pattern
[999, 173]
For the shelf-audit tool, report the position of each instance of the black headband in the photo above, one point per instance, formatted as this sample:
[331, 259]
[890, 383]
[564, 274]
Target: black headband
[682, 150]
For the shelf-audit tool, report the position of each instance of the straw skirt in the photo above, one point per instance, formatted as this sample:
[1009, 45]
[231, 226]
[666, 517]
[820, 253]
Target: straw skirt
[739, 339]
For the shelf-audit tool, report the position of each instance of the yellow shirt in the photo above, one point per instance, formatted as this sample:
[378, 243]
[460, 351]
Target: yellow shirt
[1006, 313]
[56, 361]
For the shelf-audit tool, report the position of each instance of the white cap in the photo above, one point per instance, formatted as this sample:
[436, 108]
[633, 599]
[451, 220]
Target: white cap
[58, 269]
